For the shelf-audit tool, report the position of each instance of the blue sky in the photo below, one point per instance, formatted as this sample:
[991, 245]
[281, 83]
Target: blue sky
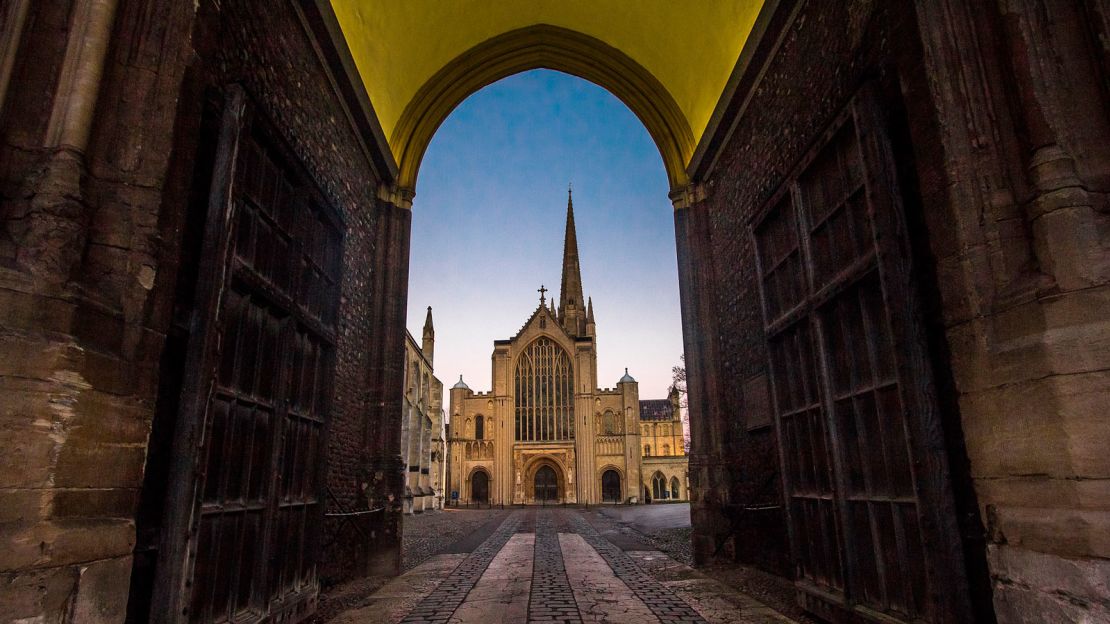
[490, 208]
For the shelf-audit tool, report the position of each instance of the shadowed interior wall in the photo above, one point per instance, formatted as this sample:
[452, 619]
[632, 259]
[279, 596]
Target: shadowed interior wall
[1004, 207]
[97, 259]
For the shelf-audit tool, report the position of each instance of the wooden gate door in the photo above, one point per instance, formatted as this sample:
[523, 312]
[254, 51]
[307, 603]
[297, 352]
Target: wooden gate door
[611, 486]
[479, 487]
[248, 509]
[547, 486]
[864, 470]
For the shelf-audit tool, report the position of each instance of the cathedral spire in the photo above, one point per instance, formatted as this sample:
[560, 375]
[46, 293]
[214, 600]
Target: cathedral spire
[427, 345]
[571, 311]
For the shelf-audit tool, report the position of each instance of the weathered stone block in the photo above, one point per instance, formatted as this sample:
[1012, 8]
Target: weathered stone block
[95, 503]
[1061, 532]
[103, 418]
[1036, 587]
[26, 311]
[48, 544]
[1015, 430]
[37, 596]
[102, 592]
[89, 464]
[23, 506]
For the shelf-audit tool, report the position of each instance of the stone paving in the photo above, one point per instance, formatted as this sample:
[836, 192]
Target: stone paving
[552, 566]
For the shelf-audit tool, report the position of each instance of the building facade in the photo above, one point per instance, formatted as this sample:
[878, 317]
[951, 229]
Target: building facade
[664, 467]
[546, 433]
[422, 428]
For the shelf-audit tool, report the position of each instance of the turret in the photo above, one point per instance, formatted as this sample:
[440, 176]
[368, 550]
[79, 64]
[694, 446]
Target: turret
[630, 398]
[459, 391]
[428, 344]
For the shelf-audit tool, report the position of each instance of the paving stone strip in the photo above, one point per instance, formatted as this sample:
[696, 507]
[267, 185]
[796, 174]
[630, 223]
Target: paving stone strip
[552, 599]
[439, 605]
[669, 608]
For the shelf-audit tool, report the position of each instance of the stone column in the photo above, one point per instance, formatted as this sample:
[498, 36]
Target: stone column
[77, 381]
[1024, 269]
[696, 282]
[385, 470]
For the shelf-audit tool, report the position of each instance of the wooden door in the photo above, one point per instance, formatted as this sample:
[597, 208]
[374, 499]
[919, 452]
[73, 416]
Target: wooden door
[479, 487]
[611, 486]
[864, 473]
[547, 486]
[258, 395]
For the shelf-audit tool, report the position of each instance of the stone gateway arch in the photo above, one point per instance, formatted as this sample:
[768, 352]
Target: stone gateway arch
[891, 232]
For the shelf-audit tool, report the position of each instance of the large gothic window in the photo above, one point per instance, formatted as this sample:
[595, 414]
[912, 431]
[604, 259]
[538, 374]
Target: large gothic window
[544, 393]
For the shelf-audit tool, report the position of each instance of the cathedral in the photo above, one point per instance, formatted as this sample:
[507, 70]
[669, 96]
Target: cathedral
[546, 433]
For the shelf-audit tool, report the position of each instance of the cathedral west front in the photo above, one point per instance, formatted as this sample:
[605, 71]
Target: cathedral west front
[546, 433]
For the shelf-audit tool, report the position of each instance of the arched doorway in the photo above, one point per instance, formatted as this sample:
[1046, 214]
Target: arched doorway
[674, 489]
[479, 487]
[546, 485]
[611, 486]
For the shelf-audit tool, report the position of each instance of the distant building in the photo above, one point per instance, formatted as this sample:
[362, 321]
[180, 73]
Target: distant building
[423, 436]
[665, 466]
[547, 433]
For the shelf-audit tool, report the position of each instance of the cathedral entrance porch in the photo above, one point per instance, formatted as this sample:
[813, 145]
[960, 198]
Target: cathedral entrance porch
[546, 481]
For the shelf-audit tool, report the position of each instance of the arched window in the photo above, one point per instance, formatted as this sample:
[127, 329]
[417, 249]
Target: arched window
[647, 450]
[479, 428]
[659, 487]
[611, 423]
[544, 393]
[674, 488]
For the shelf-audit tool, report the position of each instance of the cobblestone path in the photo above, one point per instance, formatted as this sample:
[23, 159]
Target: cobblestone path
[552, 566]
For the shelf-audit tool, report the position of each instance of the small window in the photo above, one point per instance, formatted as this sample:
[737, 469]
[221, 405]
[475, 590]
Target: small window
[479, 428]
[647, 449]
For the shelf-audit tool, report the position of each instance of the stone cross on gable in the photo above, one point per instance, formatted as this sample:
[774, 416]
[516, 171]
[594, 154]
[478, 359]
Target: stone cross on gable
[542, 291]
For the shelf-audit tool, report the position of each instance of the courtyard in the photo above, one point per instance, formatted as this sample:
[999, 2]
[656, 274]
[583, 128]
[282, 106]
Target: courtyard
[555, 564]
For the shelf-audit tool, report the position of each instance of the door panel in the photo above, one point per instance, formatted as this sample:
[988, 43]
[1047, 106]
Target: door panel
[546, 485]
[611, 486]
[479, 487]
[846, 382]
[256, 511]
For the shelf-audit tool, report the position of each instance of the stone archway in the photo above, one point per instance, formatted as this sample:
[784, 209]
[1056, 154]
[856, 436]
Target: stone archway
[543, 46]
[545, 482]
[479, 486]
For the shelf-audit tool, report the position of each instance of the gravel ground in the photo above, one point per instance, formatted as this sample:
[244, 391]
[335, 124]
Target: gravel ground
[425, 535]
[773, 591]
[429, 534]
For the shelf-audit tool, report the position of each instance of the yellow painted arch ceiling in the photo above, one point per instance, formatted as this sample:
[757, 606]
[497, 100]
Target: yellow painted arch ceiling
[688, 46]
